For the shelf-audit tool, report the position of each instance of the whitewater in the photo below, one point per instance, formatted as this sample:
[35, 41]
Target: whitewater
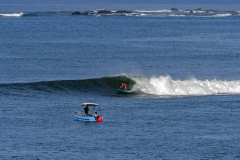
[166, 86]
[12, 15]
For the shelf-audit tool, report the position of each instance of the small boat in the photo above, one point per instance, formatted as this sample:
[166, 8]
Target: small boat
[89, 112]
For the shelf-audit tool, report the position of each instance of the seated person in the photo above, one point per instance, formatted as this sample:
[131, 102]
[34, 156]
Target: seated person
[86, 110]
[96, 115]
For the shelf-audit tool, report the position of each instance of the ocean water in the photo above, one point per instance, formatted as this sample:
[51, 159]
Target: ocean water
[182, 68]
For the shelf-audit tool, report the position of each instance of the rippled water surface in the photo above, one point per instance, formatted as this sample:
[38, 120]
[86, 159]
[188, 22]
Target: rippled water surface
[182, 70]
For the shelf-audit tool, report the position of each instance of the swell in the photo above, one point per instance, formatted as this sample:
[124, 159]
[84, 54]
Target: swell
[101, 85]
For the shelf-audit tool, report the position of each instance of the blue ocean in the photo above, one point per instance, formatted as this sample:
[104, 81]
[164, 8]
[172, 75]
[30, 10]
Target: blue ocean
[180, 61]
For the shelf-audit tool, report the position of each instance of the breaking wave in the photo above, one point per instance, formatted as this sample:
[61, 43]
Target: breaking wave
[176, 15]
[12, 15]
[222, 15]
[155, 11]
[166, 86]
[138, 85]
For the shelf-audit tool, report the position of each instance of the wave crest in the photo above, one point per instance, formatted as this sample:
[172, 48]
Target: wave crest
[166, 86]
[12, 15]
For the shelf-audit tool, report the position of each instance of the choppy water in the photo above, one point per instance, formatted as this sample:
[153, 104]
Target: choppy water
[182, 69]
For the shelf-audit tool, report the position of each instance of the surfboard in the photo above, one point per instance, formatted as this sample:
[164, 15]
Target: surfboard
[122, 91]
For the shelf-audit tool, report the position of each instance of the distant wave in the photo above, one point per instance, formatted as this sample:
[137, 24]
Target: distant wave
[37, 14]
[154, 11]
[140, 86]
[12, 15]
[176, 15]
[222, 15]
[173, 12]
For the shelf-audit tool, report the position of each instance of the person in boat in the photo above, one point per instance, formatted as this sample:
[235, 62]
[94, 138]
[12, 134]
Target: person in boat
[96, 115]
[86, 110]
[124, 86]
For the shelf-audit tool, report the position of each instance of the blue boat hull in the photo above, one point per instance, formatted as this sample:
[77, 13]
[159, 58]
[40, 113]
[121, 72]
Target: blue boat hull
[85, 118]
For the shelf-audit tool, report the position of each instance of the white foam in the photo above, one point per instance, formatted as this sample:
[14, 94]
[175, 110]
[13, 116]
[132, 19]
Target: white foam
[196, 11]
[12, 15]
[176, 15]
[135, 14]
[166, 86]
[154, 11]
[222, 15]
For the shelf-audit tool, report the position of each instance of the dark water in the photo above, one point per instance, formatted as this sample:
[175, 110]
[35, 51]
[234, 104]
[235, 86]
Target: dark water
[182, 69]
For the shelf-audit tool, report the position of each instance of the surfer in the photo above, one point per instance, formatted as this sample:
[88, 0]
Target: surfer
[124, 86]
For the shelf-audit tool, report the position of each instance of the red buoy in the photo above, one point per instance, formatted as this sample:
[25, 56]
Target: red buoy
[99, 119]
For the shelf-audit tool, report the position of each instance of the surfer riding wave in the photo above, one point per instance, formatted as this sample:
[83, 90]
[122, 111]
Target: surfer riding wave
[124, 86]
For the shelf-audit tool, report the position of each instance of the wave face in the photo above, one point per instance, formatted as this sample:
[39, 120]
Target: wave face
[104, 85]
[166, 86]
[163, 86]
